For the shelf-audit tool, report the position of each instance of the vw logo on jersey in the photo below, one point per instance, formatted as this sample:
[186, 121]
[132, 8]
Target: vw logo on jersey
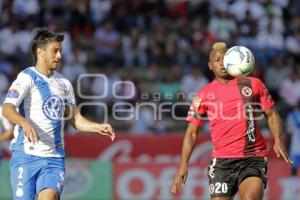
[52, 107]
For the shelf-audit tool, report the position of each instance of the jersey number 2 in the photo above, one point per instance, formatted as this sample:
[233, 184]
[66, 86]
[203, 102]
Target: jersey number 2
[20, 170]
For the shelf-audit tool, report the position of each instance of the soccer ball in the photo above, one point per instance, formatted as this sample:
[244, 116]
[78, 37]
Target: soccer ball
[238, 61]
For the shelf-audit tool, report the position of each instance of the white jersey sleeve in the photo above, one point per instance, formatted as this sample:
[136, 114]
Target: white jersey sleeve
[70, 97]
[19, 89]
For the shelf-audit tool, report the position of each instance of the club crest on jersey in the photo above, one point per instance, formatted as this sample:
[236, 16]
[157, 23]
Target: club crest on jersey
[247, 91]
[60, 85]
[52, 107]
[196, 102]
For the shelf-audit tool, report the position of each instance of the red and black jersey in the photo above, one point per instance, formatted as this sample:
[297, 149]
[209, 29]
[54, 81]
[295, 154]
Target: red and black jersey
[232, 110]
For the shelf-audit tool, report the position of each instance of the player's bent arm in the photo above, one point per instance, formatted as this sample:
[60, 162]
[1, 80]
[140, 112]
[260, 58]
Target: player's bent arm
[7, 135]
[189, 142]
[84, 125]
[275, 125]
[9, 112]
[188, 145]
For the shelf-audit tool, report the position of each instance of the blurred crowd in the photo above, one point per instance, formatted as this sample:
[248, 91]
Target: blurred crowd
[153, 53]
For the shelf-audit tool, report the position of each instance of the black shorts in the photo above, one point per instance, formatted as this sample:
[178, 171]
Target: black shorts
[225, 174]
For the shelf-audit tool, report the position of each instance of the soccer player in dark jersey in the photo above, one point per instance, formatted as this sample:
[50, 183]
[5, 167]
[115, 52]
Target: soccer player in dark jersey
[231, 105]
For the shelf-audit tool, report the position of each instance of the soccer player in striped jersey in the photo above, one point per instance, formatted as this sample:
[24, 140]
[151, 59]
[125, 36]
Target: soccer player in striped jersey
[38, 149]
[231, 105]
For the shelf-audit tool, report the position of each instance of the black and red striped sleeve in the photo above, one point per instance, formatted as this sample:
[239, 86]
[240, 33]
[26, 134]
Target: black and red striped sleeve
[197, 111]
[265, 97]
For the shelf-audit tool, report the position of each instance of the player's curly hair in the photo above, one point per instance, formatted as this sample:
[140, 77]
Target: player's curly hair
[41, 39]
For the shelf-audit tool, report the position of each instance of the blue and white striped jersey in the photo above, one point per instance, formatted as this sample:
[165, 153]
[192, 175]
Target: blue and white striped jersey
[41, 100]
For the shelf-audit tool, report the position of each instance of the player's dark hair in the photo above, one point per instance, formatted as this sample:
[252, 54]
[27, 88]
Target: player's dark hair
[41, 39]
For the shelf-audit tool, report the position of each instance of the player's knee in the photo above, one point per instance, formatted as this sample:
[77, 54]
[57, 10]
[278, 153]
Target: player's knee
[50, 197]
[48, 194]
[252, 196]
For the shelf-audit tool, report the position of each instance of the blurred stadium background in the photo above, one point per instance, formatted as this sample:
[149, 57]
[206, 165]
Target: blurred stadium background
[158, 49]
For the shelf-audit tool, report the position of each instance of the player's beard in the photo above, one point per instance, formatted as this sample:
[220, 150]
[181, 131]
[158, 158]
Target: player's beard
[55, 65]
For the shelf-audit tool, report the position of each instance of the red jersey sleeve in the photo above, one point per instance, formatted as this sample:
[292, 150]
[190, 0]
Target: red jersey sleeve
[264, 95]
[197, 110]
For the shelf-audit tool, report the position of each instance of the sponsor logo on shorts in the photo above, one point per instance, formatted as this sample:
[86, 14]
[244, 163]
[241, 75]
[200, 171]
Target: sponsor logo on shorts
[211, 188]
[60, 186]
[19, 192]
[211, 172]
[62, 176]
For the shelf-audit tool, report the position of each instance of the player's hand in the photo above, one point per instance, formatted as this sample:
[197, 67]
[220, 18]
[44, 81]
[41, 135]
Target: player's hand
[29, 132]
[280, 151]
[180, 179]
[106, 129]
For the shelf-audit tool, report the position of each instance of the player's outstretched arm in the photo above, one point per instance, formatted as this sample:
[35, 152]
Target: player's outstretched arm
[7, 135]
[84, 125]
[275, 125]
[189, 142]
[9, 112]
